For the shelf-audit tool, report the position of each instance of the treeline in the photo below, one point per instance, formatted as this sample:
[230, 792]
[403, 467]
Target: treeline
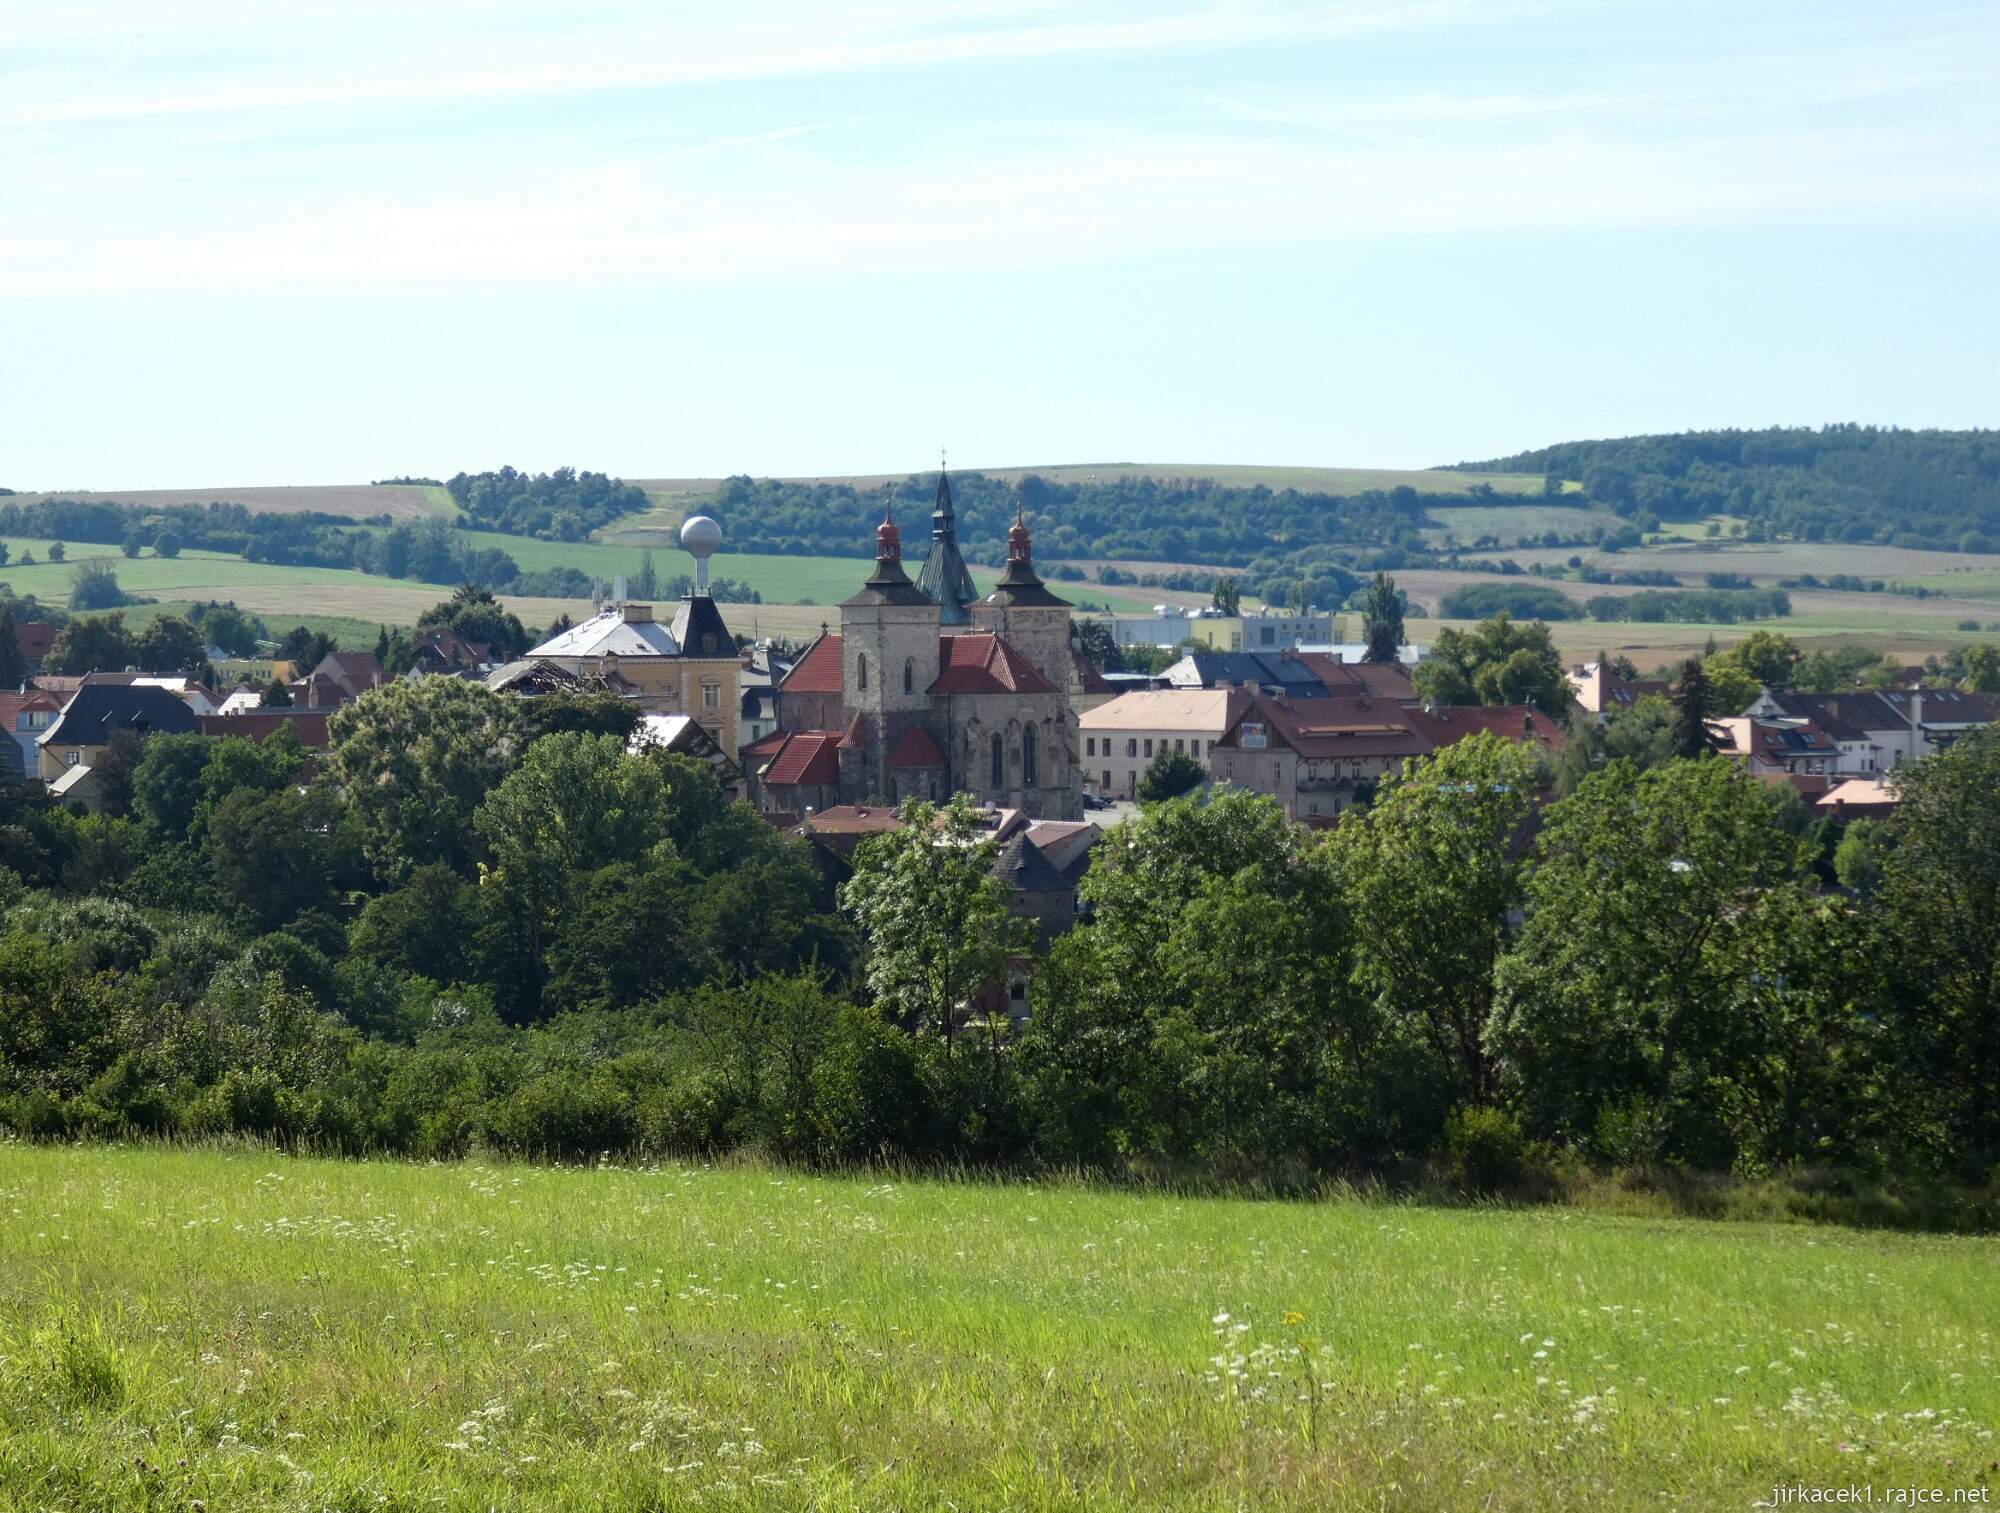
[1536, 601]
[484, 923]
[1178, 520]
[565, 505]
[1929, 489]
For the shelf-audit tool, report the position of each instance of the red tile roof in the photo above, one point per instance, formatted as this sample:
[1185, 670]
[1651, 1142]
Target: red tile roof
[808, 756]
[34, 638]
[1385, 680]
[818, 671]
[856, 734]
[916, 749]
[1445, 724]
[12, 705]
[852, 819]
[766, 745]
[309, 725]
[980, 662]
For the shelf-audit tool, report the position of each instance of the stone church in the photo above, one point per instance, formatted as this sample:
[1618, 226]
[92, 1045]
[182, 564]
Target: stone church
[928, 690]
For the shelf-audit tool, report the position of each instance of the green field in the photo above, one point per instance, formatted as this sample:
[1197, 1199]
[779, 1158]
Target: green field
[250, 1330]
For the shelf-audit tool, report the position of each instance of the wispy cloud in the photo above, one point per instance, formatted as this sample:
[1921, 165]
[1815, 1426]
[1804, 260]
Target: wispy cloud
[312, 155]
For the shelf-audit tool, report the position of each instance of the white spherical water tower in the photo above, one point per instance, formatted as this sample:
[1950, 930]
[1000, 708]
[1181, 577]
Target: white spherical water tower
[701, 538]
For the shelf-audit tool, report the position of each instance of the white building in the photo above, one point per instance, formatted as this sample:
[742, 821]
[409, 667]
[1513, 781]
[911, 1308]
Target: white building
[1121, 737]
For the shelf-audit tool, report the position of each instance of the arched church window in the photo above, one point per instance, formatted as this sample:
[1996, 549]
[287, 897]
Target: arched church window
[909, 676]
[861, 669]
[999, 762]
[1030, 773]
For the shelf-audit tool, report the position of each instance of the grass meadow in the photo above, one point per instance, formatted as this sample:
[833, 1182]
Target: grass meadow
[229, 1328]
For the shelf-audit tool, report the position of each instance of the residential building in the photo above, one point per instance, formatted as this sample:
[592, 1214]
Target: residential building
[34, 639]
[1121, 737]
[1599, 691]
[24, 715]
[1779, 747]
[1318, 756]
[690, 667]
[354, 671]
[95, 715]
[1876, 730]
[1315, 756]
[926, 691]
[1858, 799]
[685, 736]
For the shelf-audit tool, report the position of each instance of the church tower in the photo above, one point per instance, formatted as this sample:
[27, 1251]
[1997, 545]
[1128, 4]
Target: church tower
[889, 658]
[945, 577]
[1023, 612]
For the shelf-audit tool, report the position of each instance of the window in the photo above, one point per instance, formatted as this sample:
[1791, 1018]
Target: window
[1132, 746]
[711, 695]
[999, 762]
[909, 676]
[1179, 744]
[1090, 745]
[1030, 773]
[73, 758]
[1149, 745]
[1107, 780]
[861, 669]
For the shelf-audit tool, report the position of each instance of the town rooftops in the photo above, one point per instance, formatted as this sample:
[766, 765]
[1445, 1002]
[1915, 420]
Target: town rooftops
[1022, 866]
[625, 630]
[98, 711]
[1858, 798]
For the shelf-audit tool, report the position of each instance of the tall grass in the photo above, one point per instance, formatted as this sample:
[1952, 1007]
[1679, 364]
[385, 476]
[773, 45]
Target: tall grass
[251, 1330]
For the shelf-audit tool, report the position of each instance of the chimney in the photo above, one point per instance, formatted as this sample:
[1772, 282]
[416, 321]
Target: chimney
[635, 614]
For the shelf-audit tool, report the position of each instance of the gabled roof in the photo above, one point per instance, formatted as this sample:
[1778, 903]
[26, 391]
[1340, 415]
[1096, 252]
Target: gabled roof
[698, 629]
[818, 670]
[807, 756]
[853, 819]
[1066, 843]
[610, 633]
[97, 711]
[358, 670]
[1324, 729]
[1386, 680]
[856, 735]
[1860, 796]
[16, 705]
[1444, 724]
[981, 662]
[309, 725]
[916, 749]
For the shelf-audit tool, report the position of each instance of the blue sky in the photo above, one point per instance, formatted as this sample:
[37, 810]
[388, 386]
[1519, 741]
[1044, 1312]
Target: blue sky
[257, 242]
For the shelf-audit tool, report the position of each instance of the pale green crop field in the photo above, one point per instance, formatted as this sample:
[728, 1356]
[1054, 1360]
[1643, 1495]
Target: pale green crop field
[250, 1330]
